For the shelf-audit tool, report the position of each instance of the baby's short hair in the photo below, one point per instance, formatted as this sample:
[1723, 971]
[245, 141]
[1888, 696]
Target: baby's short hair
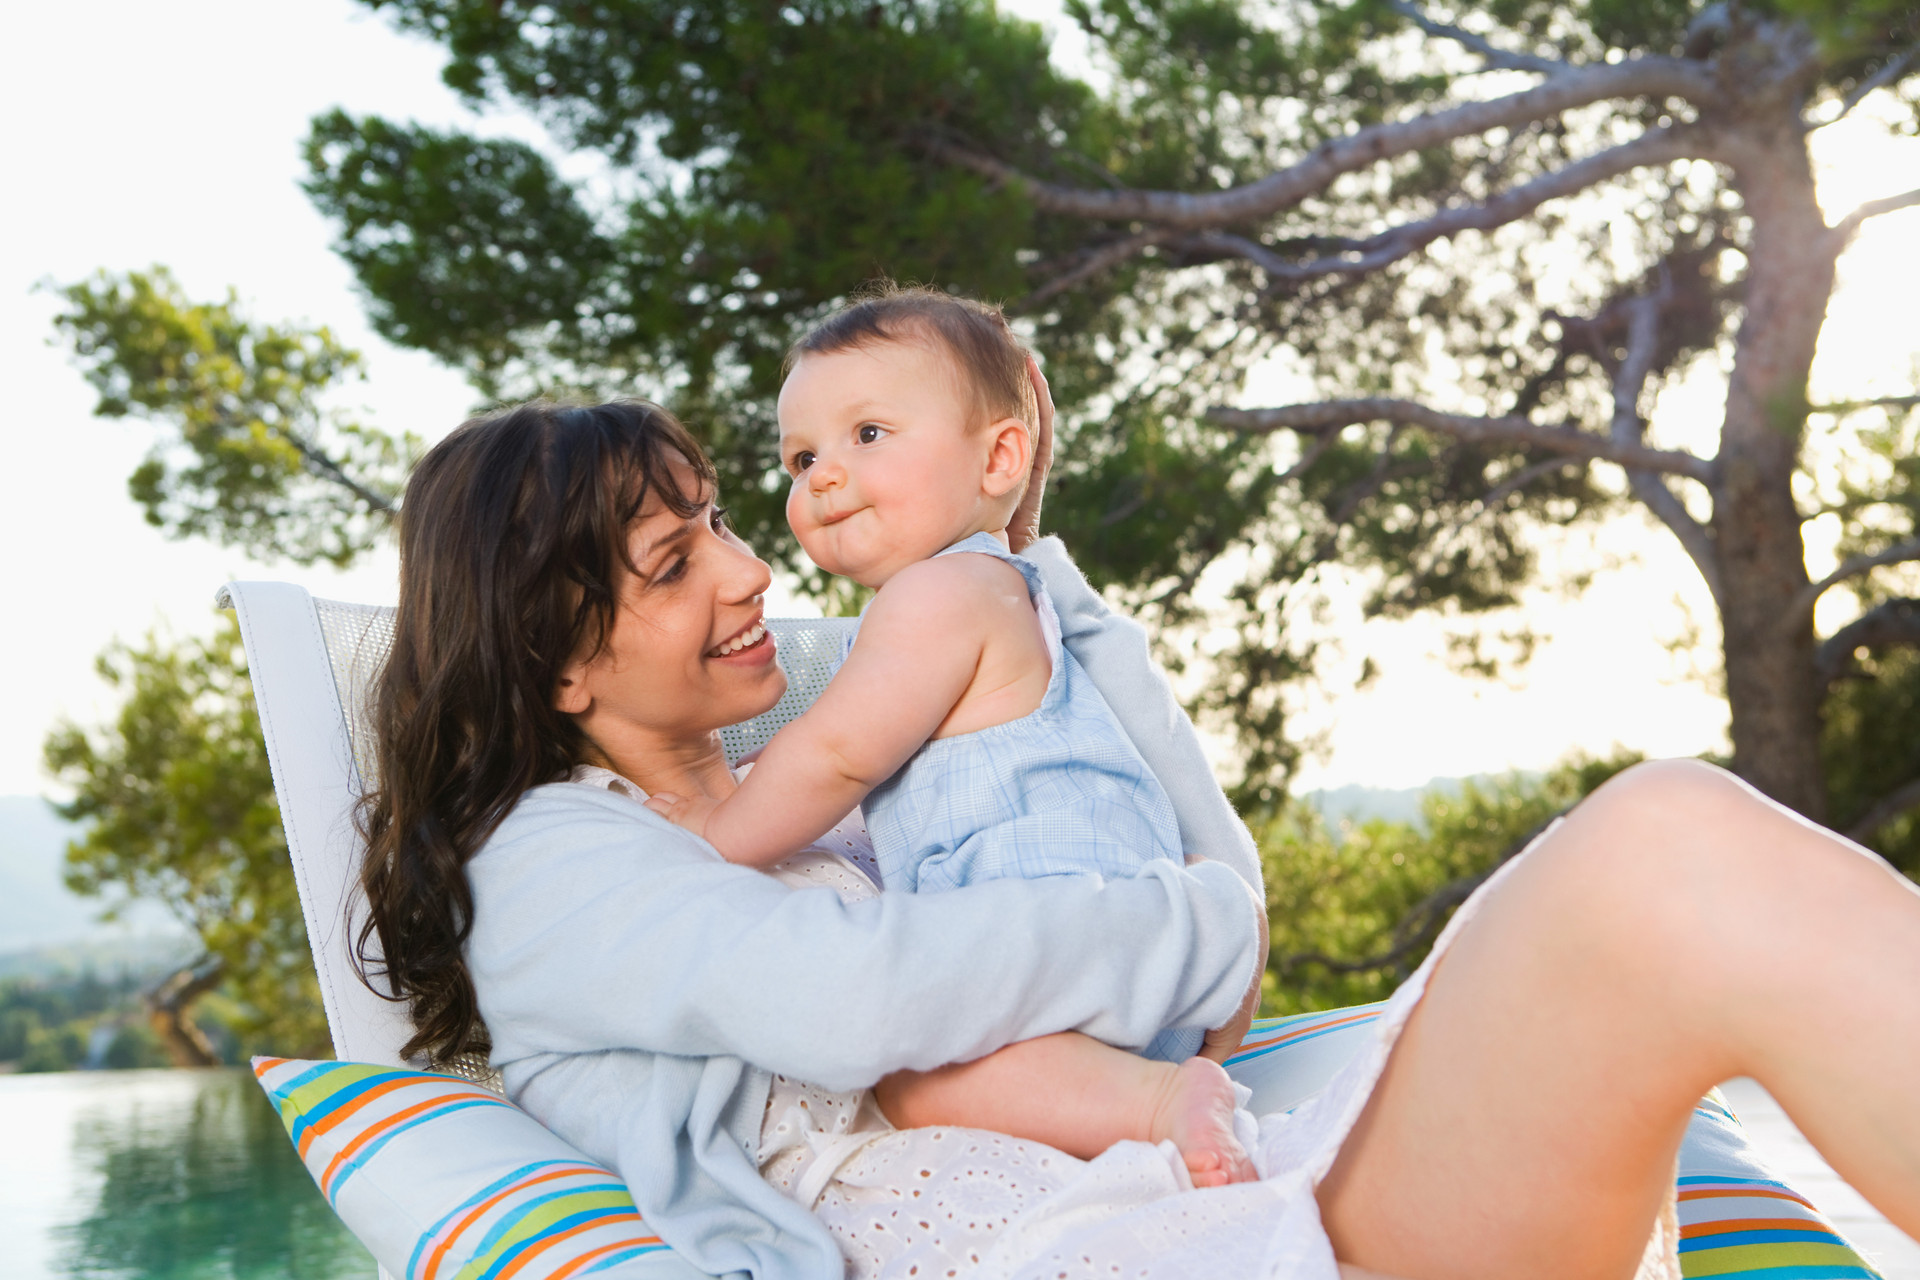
[990, 359]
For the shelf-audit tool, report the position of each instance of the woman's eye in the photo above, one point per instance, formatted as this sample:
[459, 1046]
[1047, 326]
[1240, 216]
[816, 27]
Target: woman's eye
[868, 433]
[801, 461]
[674, 571]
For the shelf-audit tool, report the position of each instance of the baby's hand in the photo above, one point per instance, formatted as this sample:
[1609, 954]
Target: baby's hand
[691, 814]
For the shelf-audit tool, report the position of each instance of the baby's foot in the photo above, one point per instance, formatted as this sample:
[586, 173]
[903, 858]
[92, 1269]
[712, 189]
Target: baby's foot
[1196, 1113]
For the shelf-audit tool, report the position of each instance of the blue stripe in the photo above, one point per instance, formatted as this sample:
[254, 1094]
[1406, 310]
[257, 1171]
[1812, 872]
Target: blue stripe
[1766, 1235]
[520, 1209]
[558, 1226]
[339, 1098]
[1288, 1044]
[474, 1199]
[1801, 1272]
[1711, 1180]
[614, 1259]
[1261, 1026]
[352, 1166]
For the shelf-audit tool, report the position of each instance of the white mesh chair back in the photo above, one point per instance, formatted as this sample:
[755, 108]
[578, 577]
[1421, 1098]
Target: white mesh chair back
[314, 665]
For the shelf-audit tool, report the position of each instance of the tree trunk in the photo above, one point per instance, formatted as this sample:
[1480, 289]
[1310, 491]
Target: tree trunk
[1769, 650]
[170, 1012]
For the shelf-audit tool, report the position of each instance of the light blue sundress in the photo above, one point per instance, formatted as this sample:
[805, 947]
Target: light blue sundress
[1060, 791]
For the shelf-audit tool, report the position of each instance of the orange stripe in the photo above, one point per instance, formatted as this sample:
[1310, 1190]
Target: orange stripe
[547, 1242]
[573, 1268]
[1723, 1226]
[267, 1064]
[1289, 1032]
[368, 1135]
[346, 1110]
[1711, 1193]
[453, 1233]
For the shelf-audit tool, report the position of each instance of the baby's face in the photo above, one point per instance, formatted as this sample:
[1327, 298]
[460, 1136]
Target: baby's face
[887, 464]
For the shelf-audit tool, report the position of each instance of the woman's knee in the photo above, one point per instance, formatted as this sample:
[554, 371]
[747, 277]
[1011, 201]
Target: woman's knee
[1656, 826]
[1654, 868]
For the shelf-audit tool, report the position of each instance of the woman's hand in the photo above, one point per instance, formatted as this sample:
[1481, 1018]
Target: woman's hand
[1223, 1042]
[1024, 527]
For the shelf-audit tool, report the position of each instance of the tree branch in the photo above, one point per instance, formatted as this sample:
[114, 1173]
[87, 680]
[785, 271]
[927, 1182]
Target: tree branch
[1310, 455]
[1889, 623]
[1573, 87]
[1852, 567]
[1356, 494]
[1885, 810]
[327, 469]
[1656, 146]
[1091, 264]
[1629, 428]
[319, 462]
[1495, 56]
[1851, 406]
[1887, 74]
[1844, 230]
[1330, 415]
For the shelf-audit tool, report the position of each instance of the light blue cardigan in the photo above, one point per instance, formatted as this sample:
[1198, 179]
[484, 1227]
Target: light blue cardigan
[640, 990]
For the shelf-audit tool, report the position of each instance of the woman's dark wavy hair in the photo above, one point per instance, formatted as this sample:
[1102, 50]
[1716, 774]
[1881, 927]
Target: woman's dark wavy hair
[513, 544]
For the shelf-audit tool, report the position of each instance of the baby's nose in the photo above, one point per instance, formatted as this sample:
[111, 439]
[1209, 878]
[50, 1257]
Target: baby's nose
[824, 476]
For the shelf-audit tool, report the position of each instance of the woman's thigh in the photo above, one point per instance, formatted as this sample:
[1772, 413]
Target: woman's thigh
[1528, 1120]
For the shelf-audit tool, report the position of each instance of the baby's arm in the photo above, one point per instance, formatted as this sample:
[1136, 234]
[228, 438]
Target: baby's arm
[916, 654]
[1080, 1096]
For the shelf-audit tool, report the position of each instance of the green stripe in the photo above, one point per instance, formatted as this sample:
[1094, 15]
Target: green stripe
[540, 1220]
[1759, 1257]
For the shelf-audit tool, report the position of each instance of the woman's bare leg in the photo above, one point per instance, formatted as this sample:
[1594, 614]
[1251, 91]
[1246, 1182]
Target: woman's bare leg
[1676, 931]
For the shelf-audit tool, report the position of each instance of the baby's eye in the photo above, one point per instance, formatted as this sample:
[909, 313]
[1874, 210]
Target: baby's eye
[801, 461]
[869, 433]
[719, 517]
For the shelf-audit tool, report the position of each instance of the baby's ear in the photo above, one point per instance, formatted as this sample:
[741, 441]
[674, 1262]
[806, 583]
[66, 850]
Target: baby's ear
[1009, 457]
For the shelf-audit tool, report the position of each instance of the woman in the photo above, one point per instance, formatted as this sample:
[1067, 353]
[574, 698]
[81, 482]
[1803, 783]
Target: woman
[573, 607]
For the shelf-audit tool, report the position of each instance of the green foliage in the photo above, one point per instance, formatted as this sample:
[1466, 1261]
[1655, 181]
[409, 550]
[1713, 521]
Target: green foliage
[1873, 487]
[49, 1025]
[1341, 898]
[178, 805]
[754, 164]
[254, 459]
[1870, 746]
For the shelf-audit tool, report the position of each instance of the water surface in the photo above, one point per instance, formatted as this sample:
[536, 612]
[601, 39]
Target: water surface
[158, 1175]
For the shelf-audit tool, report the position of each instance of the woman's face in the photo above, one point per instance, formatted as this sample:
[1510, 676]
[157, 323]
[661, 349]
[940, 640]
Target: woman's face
[688, 652]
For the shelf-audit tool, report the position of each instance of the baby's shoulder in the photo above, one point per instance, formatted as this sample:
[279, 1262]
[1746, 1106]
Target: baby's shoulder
[954, 589]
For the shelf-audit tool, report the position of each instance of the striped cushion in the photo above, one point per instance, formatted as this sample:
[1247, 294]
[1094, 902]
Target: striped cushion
[1738, 1220]
[442, 1180]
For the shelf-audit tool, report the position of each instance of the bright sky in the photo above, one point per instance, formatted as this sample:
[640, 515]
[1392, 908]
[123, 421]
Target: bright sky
[170, 134]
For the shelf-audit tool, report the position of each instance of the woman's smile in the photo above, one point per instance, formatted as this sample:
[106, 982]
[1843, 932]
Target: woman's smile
[750, 647]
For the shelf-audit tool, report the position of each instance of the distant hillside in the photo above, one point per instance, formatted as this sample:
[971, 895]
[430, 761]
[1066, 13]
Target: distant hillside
[36, 910]
[1357, 804]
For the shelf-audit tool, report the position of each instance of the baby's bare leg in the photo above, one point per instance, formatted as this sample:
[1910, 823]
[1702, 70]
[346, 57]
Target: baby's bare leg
[1080, 1096]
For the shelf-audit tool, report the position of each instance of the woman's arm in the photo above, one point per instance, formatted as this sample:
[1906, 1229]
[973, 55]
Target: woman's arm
[1115, 653]
[598, 925]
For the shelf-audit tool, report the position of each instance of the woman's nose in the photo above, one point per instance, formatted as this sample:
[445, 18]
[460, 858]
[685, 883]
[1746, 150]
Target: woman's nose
[749, 576]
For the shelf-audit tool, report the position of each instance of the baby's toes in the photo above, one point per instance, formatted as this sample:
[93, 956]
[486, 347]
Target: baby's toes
[1208, 1168]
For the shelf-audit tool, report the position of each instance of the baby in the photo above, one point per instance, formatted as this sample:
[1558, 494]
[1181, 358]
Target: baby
[978, 745]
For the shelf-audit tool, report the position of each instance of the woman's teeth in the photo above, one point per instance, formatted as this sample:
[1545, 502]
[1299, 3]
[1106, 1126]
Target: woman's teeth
[745, 640]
